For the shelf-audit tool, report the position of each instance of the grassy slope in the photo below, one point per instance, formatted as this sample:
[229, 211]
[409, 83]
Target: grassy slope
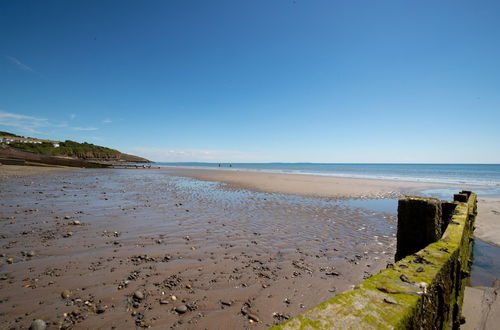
[72, 149]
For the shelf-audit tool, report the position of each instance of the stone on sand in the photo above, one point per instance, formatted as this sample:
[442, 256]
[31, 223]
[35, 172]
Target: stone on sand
[65, 294]
[138, 295]
[181, 309]
[38, 325]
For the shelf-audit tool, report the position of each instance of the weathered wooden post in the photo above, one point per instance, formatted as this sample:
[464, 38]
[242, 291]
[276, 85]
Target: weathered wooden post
[419, 224]
[421, 292]
[462, 196]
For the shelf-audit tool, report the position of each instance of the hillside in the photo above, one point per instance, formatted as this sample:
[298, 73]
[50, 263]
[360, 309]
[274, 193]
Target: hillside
[2, 133]
[68, 149]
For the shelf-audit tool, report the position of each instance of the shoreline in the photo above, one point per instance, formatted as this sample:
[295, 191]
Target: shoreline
[9, 171]
[104, 248]
[447, 181]
[487, 222]
[215, 249]
[308, 184]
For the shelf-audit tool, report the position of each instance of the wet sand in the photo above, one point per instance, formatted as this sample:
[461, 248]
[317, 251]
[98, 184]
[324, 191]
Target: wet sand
[233, 258]
[9, 171]
[306, 185]
[76, 245]
[488, 220]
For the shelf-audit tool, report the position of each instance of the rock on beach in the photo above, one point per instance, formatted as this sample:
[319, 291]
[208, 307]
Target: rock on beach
[38, 325]
[138, 295]
[181, 309]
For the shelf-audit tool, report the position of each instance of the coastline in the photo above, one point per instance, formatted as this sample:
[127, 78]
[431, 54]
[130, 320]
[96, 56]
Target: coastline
[79, 245]
[9, 171]
[487, 222]
[307, 184]
[474, 175]
[271, 245]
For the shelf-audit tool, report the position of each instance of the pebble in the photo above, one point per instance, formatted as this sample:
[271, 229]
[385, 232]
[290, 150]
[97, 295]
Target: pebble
[38, 325]
[332, 274]
[100, 309]
[76, 223]
[253, 317]
[138, 295]
[174, 298]
[164, 302]
[31, 254]
[181, 309]
[10, 260]
[65, 294]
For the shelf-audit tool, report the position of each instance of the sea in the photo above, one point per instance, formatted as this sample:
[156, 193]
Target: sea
[486, 176]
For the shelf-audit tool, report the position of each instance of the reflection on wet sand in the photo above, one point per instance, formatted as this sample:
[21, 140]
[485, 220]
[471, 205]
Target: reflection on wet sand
[117, 248]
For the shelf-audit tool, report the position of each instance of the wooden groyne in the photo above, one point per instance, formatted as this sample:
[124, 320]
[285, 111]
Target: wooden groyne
[424, 288]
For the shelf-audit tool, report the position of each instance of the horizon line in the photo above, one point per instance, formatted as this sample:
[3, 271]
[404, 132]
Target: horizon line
[322, 163]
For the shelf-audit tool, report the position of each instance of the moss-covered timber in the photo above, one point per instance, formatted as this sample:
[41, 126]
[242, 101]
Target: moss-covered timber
[424, 290]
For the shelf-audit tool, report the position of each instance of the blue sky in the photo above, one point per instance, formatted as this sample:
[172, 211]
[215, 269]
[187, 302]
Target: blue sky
[257, 81]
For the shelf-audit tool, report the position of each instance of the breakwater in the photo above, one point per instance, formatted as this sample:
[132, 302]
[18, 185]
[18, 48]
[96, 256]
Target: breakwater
[424, 288]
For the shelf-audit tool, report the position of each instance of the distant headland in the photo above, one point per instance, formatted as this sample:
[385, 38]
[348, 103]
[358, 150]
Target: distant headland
[20, 150]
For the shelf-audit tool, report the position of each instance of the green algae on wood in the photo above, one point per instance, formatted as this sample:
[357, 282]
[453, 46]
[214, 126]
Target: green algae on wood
[423, 290]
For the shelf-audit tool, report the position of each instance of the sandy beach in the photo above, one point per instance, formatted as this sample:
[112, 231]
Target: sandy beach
[488, 220]
[187, 249]
[487, 223]
[9, 171]
[306, 185]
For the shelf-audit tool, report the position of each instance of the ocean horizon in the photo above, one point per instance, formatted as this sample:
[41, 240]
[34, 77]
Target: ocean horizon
[457, 174]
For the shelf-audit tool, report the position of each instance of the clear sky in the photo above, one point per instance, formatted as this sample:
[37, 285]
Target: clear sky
[257, 81]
